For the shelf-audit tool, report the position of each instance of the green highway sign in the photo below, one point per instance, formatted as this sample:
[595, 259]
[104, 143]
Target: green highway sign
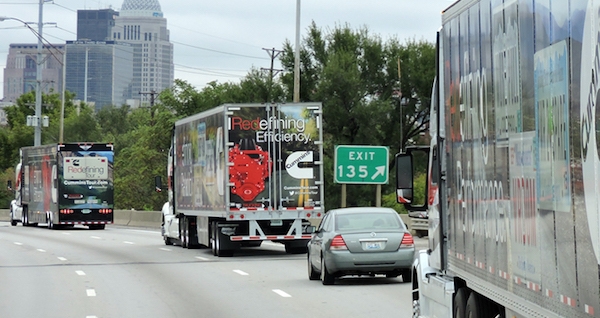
[361, 164]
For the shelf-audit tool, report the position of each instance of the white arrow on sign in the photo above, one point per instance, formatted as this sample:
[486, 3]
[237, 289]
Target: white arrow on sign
[380, 171]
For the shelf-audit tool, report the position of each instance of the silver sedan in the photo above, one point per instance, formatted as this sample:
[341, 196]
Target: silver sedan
[360, 241]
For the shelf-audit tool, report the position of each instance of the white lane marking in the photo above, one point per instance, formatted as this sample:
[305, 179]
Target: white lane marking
[165, 249]
[41, 250]
[95, 237]
[127, 242]
[281, 293]
[91, 317]
[61, 258]
[80, 273]
[66, 233]
[202, 258]
[240, 272]
[90, 292]
[18, 243]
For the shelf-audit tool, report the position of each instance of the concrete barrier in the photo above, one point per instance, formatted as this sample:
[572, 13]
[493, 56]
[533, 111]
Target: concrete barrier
[147, 219]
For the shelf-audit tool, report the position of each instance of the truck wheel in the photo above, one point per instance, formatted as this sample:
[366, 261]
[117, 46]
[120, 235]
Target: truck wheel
[49, 222]
[183, 235]
[213, 237]
[218, 239]
[326, 277]
[460, 303]
[24, 218]
[474, 308]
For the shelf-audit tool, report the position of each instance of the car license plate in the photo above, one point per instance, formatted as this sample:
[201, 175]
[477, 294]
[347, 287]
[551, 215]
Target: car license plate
[372, 246]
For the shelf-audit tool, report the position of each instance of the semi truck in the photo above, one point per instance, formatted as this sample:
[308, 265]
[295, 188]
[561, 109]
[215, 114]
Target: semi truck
[512, 191]
[64, 185]
[241, 174]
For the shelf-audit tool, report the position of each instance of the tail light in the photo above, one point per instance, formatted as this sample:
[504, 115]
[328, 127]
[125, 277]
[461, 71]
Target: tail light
[407, 241]
[338, 244]
[105, 211]
[66, 211]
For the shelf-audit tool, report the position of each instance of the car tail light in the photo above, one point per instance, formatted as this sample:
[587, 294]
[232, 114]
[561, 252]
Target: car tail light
[407, 241]
[338, 244]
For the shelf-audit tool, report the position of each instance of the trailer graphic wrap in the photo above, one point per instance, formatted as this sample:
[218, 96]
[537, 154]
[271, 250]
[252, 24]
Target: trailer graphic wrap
[273, 157]
[521, 91]
[86, 180]
[68, 184]
[249, 156]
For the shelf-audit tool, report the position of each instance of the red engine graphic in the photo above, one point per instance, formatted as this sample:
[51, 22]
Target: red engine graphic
[251, 166]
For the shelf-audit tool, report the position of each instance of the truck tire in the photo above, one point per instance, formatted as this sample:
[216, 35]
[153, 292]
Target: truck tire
[213, 240]
[460, 303]
[183, 235]
[474, 308]
[24, 217]
[218, 243]
[49, 221]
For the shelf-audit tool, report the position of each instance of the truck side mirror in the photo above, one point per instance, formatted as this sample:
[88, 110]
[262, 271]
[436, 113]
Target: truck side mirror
[157, 184]
[9, 185]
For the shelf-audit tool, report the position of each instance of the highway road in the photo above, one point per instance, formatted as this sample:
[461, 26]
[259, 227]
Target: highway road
[129, 272]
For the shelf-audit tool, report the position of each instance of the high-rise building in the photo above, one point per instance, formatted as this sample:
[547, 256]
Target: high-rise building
[21, 66]
[141, 23]
[95, 25]
[100, 72]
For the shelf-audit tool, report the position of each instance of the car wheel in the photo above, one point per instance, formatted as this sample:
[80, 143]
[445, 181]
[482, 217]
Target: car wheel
[312, 274]
[326, 277]
[168, 240]
[406, 277]
[13, 222]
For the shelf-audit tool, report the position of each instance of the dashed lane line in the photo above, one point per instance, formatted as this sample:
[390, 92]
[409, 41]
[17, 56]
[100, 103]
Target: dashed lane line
[240, 272]
[281, 293]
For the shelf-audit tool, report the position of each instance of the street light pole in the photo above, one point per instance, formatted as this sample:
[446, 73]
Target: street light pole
[38, 78]
[297, 56]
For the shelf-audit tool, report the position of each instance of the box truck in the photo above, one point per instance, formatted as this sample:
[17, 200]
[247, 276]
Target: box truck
[240, 174]
[64, 185]
[512, 191]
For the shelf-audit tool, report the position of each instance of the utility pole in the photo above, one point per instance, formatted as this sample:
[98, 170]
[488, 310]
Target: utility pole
[273, 53]
[37, 140]
[297, 56]
[152, 93]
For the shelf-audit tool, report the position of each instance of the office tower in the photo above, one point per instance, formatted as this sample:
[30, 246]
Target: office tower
[20, 70]
[108, 66]
[141, 24]
[95, 25]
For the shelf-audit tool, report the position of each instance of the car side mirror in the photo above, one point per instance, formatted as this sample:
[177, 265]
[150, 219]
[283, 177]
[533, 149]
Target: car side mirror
[311, 229]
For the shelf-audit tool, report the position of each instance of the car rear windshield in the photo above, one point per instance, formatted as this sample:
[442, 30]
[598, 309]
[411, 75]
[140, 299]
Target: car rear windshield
[368, 221]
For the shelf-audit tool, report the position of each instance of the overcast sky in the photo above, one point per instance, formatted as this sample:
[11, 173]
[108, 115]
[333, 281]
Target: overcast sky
[222, 40]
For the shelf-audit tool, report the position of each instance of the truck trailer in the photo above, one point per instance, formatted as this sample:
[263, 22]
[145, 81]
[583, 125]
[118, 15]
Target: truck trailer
[240, 174]
[64, 185]
[512, 191]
